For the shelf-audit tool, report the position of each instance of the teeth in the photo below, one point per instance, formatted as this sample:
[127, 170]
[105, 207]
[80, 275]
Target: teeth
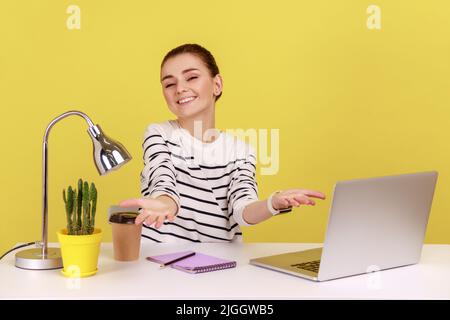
[186, 100]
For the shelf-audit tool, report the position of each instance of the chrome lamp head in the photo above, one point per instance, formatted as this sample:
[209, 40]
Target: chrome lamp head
[108, 155]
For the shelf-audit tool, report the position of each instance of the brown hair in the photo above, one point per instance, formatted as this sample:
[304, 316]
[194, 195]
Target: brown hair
[198, 51]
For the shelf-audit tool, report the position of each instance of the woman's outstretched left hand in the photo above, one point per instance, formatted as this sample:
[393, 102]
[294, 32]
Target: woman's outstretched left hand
[295, 198]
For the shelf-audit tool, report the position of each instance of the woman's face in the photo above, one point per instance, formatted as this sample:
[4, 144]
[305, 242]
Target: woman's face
[188, 86]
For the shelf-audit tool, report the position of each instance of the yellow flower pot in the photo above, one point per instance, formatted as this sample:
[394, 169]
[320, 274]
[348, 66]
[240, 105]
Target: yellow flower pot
[80, 253]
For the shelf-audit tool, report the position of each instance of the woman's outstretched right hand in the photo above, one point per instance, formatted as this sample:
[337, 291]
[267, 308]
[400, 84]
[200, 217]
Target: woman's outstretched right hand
[154, 211]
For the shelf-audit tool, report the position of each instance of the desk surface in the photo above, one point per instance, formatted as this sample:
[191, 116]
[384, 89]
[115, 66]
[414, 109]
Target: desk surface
[430, 279]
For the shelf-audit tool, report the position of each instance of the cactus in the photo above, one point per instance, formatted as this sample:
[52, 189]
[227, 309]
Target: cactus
[69, 202]
[80, 208]
[70, 199]
[68, 218]
[85, 227]
[93, 198]
[79, 205]
[74, 215]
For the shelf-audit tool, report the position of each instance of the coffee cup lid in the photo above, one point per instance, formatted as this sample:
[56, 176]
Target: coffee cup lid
[123, 217]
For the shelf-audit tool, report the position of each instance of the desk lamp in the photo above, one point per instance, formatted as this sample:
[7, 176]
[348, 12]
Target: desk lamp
[108, 155]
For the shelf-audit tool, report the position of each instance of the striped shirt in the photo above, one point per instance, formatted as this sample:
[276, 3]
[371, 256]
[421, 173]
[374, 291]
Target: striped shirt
[210, 182]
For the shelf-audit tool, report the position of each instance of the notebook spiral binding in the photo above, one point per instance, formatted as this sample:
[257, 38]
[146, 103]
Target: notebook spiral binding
[215, 267]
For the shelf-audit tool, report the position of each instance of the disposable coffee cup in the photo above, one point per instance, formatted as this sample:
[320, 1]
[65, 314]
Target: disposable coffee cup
[126, 234]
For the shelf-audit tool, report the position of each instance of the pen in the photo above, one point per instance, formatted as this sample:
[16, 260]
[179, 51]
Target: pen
[177, 259]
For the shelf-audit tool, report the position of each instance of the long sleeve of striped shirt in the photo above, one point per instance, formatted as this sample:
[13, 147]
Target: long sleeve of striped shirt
[243, 189]
[158, 176]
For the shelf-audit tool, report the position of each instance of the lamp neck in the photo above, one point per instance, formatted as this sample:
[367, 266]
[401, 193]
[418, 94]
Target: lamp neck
[65, 115]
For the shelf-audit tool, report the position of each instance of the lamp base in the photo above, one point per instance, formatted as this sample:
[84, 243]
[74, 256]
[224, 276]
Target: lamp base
[32, 259]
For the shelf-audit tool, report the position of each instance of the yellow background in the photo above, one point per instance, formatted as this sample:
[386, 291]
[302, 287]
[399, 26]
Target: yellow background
[349, 102]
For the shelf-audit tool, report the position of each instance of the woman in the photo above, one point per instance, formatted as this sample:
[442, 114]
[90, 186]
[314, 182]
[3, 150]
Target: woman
[198, 183]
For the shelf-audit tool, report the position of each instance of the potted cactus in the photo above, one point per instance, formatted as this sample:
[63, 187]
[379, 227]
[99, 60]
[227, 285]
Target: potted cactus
[80, 240]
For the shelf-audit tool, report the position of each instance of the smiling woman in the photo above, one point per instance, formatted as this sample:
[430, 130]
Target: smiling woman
[194, 189]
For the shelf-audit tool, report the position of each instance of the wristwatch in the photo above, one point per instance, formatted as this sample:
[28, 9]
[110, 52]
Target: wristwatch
[274, 211]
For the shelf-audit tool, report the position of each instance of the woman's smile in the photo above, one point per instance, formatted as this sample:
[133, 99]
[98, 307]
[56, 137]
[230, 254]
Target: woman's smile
[186, 100]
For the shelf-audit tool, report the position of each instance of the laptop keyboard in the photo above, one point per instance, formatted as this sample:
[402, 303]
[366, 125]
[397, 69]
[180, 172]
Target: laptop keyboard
[310, 266]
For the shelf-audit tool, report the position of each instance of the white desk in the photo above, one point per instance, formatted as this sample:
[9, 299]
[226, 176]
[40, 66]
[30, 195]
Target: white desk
[144, 280]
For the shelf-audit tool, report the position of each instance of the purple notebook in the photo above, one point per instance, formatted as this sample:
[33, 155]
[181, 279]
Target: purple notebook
[197, 263]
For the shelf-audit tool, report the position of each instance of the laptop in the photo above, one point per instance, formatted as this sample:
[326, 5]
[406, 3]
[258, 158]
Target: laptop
[374, 224]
